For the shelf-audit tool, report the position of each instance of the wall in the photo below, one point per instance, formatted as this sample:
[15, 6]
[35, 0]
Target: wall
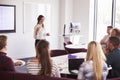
[81, 14]
[76, 11]
[66, 16]
[21, 44]
[62, 11]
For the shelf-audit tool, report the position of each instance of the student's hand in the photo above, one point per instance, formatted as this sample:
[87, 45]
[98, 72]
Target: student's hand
[18, 63]
[105, 50]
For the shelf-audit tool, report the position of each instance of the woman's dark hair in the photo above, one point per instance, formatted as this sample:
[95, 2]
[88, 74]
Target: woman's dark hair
[117, 32]
[109, 27]
[115, 41]
[39, 18]
[43, 55]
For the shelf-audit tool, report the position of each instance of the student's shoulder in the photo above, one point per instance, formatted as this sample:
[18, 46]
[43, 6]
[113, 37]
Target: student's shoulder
[7, 59]
[104, 64]
[87, 63]
[114, 52]
[111, 53]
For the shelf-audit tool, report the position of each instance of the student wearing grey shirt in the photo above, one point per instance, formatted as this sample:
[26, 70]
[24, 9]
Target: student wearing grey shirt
[95, 67]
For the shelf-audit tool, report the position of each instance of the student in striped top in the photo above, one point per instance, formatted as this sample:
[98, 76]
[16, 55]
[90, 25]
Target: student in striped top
[42, 65]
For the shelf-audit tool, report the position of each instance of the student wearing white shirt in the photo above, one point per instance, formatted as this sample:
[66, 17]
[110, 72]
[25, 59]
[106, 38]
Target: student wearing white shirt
[39, 30]
[106, 37]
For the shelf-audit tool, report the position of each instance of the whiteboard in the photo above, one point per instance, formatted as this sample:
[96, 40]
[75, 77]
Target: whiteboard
[7, 18]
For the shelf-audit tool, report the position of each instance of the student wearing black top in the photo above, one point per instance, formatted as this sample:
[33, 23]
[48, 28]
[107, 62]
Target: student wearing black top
[113, 56]
[6, 63]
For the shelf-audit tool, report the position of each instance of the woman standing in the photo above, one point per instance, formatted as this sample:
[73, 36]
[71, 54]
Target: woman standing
[39, 30]
[95, 67]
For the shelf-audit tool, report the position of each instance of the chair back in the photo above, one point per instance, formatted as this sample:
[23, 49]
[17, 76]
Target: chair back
[67, 43]
[58, 53]
[23, 76]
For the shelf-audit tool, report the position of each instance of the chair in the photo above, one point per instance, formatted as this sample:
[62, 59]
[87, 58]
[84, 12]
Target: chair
[58, 53]
[4, 75]
[70, 51]
[67, 43]
[114, 79]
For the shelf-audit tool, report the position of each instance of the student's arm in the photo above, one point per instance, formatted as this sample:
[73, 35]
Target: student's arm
[109, 57]
[103, 40]
[105, 70]
[106, 51]
[56, 71]
[81, 73]
[9, 65]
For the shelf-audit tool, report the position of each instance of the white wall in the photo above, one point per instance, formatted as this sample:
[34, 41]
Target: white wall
[81, 14]
[62, 12]
[66, 16]
[76, 11]
[22, 44]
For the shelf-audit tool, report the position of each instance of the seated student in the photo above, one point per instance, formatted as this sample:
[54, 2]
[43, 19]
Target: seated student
[42, 65]
[95, 67]
[106, 37]
[116, 32]
[113, 57]
[6, 63]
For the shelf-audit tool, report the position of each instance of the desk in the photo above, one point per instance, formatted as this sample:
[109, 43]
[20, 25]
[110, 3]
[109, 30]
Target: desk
[76, 46]
[61, 61]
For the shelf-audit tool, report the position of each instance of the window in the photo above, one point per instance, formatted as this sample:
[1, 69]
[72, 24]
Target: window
[117, 18]
[104, 14]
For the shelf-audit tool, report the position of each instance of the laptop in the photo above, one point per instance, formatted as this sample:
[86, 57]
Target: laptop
[74, 64]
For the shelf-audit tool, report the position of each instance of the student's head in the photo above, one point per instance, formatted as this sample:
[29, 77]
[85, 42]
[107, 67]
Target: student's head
[109, 29]
[113, 43]
[3, 42]
[95, 54]
[115, 32]
[43, 55]
[40, 19]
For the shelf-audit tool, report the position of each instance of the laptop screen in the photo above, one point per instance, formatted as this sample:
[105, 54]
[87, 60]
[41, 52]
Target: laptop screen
[74, 64]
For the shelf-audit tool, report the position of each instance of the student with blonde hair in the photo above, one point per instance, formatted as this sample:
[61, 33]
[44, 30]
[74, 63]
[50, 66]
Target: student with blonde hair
[94, 68]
